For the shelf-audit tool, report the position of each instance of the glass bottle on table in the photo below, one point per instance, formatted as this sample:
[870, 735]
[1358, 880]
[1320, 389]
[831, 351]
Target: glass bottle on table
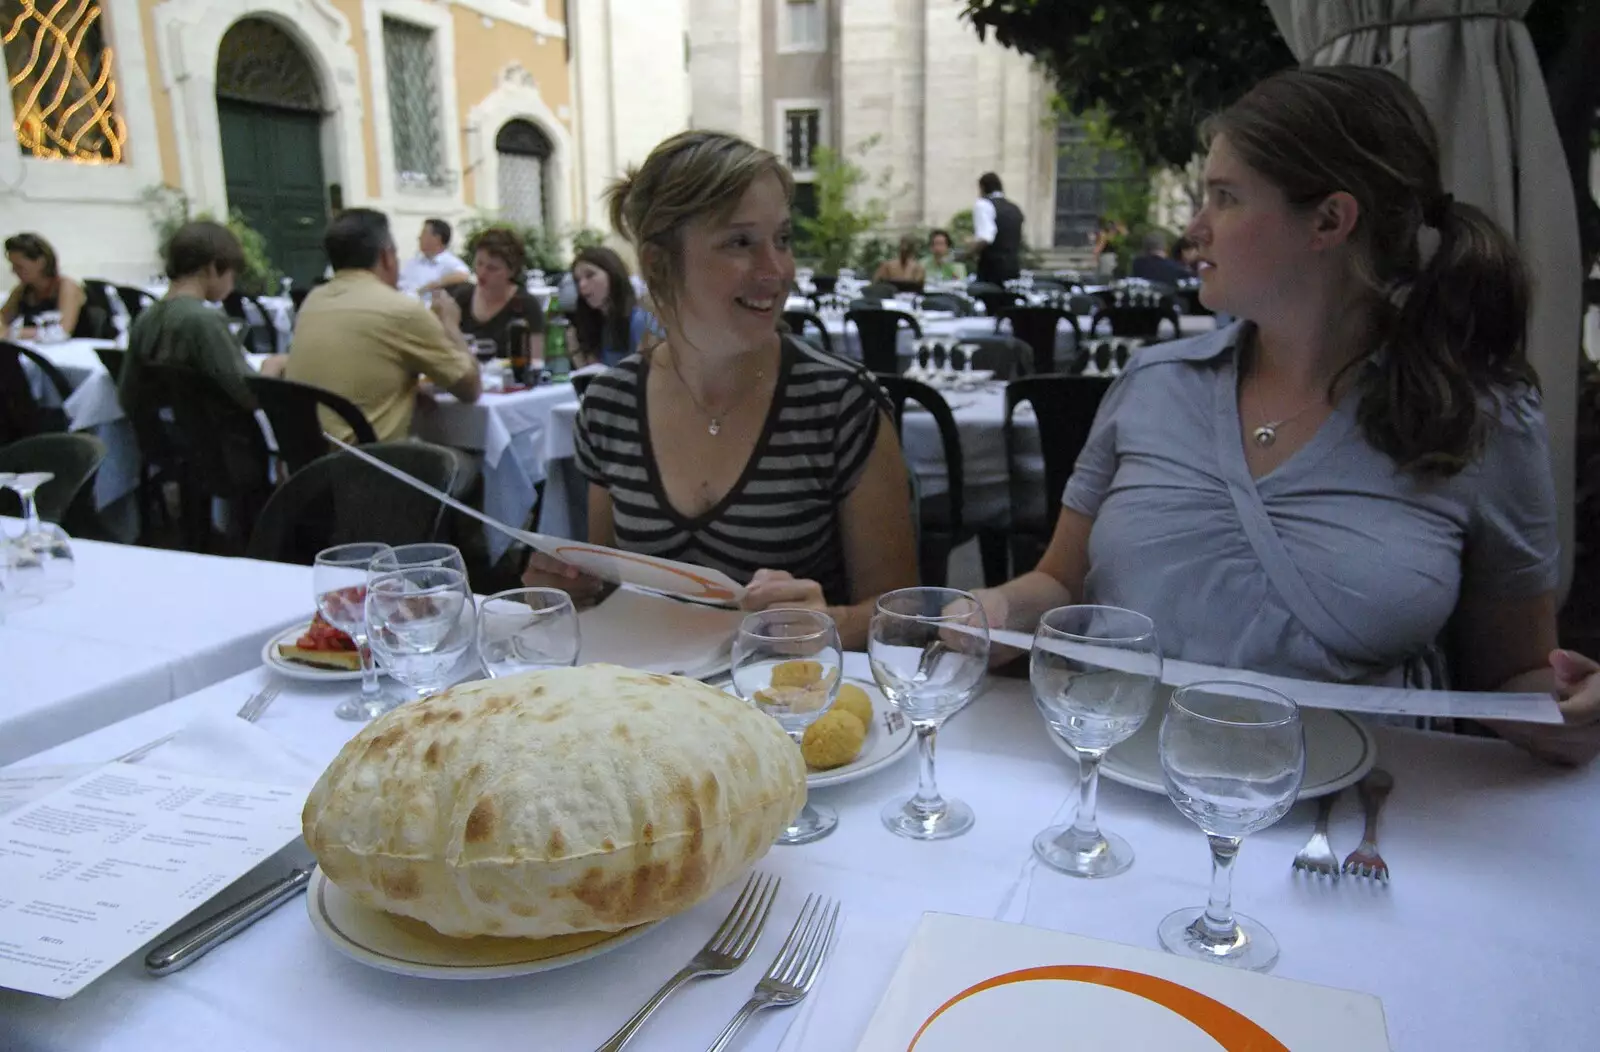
[556, 360]
[517, 334]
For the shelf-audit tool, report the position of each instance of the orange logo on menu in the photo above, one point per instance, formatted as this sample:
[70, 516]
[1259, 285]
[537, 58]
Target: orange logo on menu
[1232, 1030]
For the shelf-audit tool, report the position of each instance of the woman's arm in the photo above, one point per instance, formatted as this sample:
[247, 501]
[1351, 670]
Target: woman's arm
[69, 301]
[1510, 645]
[1056, 581]
[543, 571]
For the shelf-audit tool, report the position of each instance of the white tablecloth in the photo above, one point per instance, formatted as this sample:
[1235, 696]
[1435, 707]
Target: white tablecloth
[1486, 938]
[139, 627]
[512, 432]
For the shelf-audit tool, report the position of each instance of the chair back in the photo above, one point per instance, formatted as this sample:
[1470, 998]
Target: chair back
[46, 417]
[824, 283]
[879, 290]
[1135, 311]
[902, 389]
[68, 498]
[1036, 326]
[913, 287]
[580, 383]
[956, 303]
[338, 498]
[260, 335]
[799, 320]
[291, 408]
[1007, 357]
[879, 331]
[112, 359]
[19, 411]
[995, 298]
[220, 453]
[136, 300]
[297, 295]
[1064, 408]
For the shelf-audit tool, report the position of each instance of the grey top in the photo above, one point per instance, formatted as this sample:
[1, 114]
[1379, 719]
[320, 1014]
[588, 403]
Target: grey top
[1334, 566]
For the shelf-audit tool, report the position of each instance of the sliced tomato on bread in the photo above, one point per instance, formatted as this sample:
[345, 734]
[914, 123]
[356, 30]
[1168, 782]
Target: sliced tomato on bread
[323, 646]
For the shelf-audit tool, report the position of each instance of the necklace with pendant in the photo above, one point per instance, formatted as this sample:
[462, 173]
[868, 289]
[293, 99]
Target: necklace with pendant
[714, 426]
[1265, 435]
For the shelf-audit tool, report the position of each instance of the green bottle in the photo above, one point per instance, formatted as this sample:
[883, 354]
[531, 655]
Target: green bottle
[556, 361]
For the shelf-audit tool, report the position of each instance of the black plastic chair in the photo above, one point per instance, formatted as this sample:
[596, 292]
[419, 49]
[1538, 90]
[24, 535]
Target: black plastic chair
[580, 383]
[1136, 312]
[112, 359]
[214, 444]
[49, 418]
[1064, 408]
[913, 287]
[297, 295]
[97, 296]
[824, 283]
[260, 335]
[135, 299]
[338, 499]
[68, 498]
[942, 526]
[1036, 326]
[957, 304]
[1007, 357]
[799, 320]
[879, 331]
[879, 290]
[291, 409]
[995, 298]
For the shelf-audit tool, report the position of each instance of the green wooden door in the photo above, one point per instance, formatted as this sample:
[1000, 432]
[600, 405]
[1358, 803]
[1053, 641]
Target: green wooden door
[272, 159]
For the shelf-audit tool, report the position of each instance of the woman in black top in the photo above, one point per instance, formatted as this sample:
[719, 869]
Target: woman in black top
[498, 296]
[41, 289]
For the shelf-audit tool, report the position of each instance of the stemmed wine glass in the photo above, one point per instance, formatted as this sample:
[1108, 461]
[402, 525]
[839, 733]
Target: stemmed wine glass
[1095, 671]
[40, 557]
[427, 553]
[420, 621]
[1233, 756]
[339, 581]
[773, 638]
[929, 649]
[527, 628]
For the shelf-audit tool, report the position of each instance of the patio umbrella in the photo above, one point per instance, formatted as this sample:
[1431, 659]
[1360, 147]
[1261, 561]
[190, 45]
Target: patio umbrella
[1474, 67]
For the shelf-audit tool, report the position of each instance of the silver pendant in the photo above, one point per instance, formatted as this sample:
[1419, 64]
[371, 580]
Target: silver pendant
[1264, 435]
[714, 427]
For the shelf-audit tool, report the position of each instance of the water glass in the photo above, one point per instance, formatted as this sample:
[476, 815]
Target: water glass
[526, 629]
[768, 641]
[1232, 756]
[1095, 672]
[339, 582]
[420, 622]
[425, 554]
[929, 650]
[40, 557]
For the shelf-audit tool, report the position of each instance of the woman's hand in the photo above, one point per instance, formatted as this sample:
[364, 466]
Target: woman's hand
[1577, 740]
[770, 588]
[543, 571]
[997, 608]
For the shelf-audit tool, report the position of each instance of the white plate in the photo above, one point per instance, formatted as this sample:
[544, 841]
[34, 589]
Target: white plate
[1339, 750]
[293, 669]
[409, 947]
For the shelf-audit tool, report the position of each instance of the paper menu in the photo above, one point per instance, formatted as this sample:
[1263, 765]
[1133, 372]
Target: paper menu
[91, 872]
[609, 564]
[657, 634]
[1351, 697]
[965, 983]
[18, 785]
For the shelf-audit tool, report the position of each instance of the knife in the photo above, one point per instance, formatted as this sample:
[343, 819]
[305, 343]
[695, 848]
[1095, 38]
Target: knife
[195, 942]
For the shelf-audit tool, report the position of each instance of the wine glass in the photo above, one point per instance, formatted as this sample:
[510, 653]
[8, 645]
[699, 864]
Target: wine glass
[339, 582]
[40, 557]
[929, 649]
[1233, 756]
[768, 640]
[1095, 672]
[427, 553]
[527, 628]
[420, 621]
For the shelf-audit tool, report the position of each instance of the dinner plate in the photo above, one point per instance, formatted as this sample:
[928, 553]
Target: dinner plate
[294, 670]
[409, 947]
[1339, 751]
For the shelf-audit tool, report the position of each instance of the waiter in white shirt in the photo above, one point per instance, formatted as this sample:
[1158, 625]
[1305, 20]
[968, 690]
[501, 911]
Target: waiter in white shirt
[996, 233]
[434, 266]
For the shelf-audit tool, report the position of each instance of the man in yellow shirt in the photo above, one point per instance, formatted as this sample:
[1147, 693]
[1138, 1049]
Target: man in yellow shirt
[358, 337]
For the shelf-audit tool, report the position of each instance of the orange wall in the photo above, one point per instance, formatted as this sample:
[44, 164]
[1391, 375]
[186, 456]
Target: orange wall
[167, 141]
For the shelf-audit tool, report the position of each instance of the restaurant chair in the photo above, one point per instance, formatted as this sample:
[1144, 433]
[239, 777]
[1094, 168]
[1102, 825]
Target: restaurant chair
[135, 299]
[1136, 312]
[211, 444]
[49, 417]
[953, 302]
[878, 329]
[580, 383]
[112, 359]
[97, 296]
[68, 498]
[19, 410]
[298, 294]
[1007, 357]
[292, 410]
[940, 515]
[339, 499]
[879, 290]
[260, 334]
[824, 283]
[913, 287]
[995, 298]
[1063, 408]
[1037, 327]
[799, 320]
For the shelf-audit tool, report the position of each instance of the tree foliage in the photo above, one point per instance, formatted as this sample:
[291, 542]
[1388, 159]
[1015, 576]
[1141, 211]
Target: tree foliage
[842, 220]
[1155, 70]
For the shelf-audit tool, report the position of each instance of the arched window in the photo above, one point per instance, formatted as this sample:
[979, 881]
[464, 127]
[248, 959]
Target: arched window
[524, 156]
[259, 62]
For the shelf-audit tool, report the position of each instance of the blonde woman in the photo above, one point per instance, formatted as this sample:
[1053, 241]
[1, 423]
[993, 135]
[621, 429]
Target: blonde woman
[723, 444]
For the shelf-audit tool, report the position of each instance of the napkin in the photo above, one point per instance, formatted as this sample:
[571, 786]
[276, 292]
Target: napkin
[224, 746]
[650, 632]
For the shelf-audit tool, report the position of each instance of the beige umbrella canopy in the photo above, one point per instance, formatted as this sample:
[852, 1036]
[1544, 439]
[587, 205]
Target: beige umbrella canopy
[1473, 65]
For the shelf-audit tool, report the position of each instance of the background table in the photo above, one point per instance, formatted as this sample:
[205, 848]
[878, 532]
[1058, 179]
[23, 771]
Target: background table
[91, 407]
[1485, 939]
[138, 628]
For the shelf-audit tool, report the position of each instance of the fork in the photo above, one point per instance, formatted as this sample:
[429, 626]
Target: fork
[1365, 861]
[728, 948]
[250, 711]
[794, 970]
[1317, 856]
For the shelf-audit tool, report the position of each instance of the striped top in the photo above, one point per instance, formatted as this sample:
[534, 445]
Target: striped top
[783, 512]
